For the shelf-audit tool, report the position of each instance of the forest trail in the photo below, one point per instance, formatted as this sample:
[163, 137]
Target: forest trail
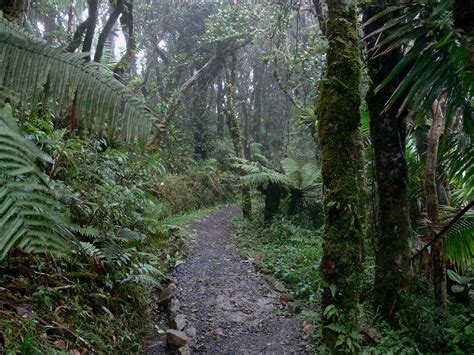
[226, 301]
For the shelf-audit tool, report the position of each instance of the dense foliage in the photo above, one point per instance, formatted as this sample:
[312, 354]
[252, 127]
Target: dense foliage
[342, 128]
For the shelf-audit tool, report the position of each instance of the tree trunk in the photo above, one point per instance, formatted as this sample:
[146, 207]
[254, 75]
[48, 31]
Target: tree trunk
[106, 30]
[90, 27]
[126, 21]
[201, 123]
[338, 126]
[15, 10]
[439, 265]
[234, 129]
[388, 134]
[257, 101]
[273, 194]
[220, 109]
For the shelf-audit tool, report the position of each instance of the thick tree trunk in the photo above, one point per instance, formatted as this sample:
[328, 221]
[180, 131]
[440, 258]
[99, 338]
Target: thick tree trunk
[439, 264]
[234, 129]
[338, 126]
[273, 194]
[388, 134]
[15, 10]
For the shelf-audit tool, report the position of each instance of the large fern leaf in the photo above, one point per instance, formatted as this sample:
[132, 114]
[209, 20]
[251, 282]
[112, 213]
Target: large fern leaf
[29, 67]
[258, 175]
[29, 217]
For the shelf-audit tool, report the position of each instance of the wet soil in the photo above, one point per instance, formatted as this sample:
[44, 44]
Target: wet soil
[226, 300]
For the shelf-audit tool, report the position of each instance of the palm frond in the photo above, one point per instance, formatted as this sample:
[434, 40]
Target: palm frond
[436, 62]
[30, 68]
[457, 155]
[460, 239]
[29, 215]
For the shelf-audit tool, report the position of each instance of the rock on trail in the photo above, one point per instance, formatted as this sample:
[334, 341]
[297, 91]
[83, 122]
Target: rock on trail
[227, 304]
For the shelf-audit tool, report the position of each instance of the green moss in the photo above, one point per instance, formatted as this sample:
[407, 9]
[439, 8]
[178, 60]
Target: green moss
[342, 173]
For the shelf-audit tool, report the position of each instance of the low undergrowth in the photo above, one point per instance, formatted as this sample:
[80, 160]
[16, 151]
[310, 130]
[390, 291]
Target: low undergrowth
[291, 249]
[120, 205]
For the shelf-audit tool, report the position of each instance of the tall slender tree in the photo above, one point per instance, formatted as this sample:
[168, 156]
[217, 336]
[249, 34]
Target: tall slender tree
[338, 117]
[233, 124]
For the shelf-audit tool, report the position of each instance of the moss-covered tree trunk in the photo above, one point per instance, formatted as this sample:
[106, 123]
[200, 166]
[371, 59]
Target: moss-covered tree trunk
[234, 130]
[388, 134]
[15, 10]
[338, 128]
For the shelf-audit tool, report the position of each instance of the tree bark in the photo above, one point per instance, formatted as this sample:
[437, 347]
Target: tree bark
[90, 27]
[200, 122]
[338, 126]
[15, 10]
[220, 110]
[259, 70]
[234, 129]
[388, 134]
[126, 21]
[106, 30]
[273, 194]
[77, 37]
[439, 265]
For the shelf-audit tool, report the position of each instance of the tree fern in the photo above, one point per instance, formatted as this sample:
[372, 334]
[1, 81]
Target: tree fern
[31, 67]
[29, 216]
[258, 175]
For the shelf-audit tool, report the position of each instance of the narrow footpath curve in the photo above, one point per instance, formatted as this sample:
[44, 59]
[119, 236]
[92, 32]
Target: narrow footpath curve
[226, 300]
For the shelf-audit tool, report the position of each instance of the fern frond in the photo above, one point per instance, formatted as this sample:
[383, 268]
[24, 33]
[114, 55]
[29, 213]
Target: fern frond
[144, 273]
[99, 102]
[263, 178]
[90, 250]
[29, 217]
[257, 174]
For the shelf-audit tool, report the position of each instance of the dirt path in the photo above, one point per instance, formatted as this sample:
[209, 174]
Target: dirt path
[226, 300]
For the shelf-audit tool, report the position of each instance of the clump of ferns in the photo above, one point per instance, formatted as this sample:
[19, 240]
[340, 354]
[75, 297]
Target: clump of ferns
[114, 254]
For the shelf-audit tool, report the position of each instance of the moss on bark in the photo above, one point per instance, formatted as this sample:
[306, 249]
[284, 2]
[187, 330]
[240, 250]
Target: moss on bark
[338, 128]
